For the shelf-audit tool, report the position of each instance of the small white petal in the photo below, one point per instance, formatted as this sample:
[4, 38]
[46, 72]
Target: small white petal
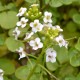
[32, 43]
[1, 77]
[18, 23]
[40, 45]
[37, 40]
[53, 60]
[51, 55]
[23, 25]
[28, 35]
[22, 55]
[35, 48]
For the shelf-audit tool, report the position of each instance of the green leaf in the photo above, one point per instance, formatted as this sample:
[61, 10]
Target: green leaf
[66, 70]
[70, 78]
[76, 18]
[55, 3]
[52, 66]
[66, 2]
[6, 78]
[47, 1]
[72, 12]
[22, 72]
[8, 19]
[13, 44]
[2, 39]
[62, 54]
[75, 60]
[2, 7]
[71, 26]
[7, 66]
[31, 1]
[10, 6]
[74, 57]
[77, 46]
[78, 76]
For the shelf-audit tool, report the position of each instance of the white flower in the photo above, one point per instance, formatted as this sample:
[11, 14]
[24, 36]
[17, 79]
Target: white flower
[49, 25]
[1, 74]
[34, 5]
[58, 28]
[16, 33]
[47, 17]
[21, 53]
[22, 22]
[36, 44]
[21, 11]
[28, 35]
[61, 41]
[51, 55]
[36, 26]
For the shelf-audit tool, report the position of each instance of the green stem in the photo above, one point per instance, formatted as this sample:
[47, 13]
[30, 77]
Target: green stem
[31, 73]
[71, 38]
[30, 55]
[38, 59]
[48, 71]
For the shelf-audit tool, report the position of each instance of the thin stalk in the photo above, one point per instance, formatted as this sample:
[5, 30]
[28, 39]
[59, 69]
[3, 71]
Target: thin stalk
[38, 59]
[48, 72]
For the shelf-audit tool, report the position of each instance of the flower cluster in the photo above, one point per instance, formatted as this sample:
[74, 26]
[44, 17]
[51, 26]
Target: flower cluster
[35, 23]
[1, 74]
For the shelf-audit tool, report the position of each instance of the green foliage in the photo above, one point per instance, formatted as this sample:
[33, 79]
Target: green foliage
[13, 44]
[55, 3]
[62, 55]
[65, 13]
[76, 18]
[8, 19]
[77, 46]
[7, 66]
[31, 1]
[23, 71]
[52, 66]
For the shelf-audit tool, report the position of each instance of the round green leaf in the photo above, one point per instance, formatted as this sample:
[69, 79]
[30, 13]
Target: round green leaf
[31, 1]
[77, 46]
[75, 60]
[52, 66]
[76, 18]
[67, 2]
[6, 78]
[71, 26]
[63, 72]
[72, 12]
[2, 39]
[55, 3]
[7, 66]
[46, 1]
[62, 55]
[22, 72]
[8, 19]
[78, 76]
[70, 78]
[3, 50]
[13, 44]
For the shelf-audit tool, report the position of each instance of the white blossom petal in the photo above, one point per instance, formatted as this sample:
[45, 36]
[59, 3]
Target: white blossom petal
[22, 53]
[1, 74]
[51, 55]
[35, 44]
